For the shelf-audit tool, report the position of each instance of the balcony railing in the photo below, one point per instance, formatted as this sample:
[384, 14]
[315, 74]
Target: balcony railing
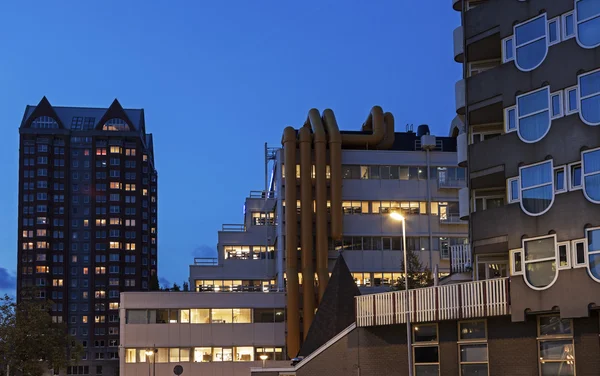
[261, 194]
[452, 218]
[460, 258]
[237, 288]
[450, 302]
[207, 261]
[452, 183]
[233, 227]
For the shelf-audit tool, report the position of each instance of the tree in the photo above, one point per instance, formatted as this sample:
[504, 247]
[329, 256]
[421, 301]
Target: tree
[30, 342]
[154, 286]
[418, 276]
[186, 286]
[175, 287]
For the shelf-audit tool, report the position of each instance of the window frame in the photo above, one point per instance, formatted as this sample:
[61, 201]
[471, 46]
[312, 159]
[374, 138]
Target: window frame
[509, 190]
[551, 183]
[556, 20]
[507, 110]
[580, 99]
[525, 262]
[576, 24]
[513, 263]
[568, 254]
[588, 253]
[565, 182]
[469, 342]
[416, 344]
[570, 167]
[515, 47]
[561, 113]
[567, 111]
[563, 17]
[506, 59]
[550, 338]
[574, 262]
[518, 117]
[584, 175]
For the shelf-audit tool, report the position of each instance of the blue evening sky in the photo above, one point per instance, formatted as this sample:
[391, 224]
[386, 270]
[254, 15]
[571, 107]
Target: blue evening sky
[217, 79]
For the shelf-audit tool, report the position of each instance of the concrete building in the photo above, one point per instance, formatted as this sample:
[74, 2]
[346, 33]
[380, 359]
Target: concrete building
[526, 109]
[415, 174]
[87, 219]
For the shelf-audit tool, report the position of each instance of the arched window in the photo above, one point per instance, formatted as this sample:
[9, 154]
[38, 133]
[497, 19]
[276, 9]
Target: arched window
[591, 174]
[593, 250]
[589, 96]
[531, 43]
[115, 125]
[539, 261]
[587, 15]
[537, 188]
[45, 122]
[533, 115]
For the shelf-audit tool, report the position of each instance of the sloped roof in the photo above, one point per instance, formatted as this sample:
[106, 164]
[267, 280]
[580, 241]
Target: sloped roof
[336, 310]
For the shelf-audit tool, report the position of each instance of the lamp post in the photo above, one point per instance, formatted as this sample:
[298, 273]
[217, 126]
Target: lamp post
[399, 217]
[149, 354]
[264, 358]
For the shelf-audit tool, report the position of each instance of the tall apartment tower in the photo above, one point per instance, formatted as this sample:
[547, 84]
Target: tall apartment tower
[87, 219]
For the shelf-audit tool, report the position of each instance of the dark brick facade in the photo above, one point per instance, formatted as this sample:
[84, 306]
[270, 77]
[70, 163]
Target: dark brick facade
[512, 349]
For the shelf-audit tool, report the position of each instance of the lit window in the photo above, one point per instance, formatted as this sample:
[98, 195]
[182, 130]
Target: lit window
[531, 45]
[537, 193]
[593, 250]
[589, 96]
[556, 349]
[539, 258]
[202, 354]
[243, 354]
[532, 115]
[508, 49]
[426, 357]
[115, 149]
[130, 356]
[115, 125]
[587, 14]
[473, 351]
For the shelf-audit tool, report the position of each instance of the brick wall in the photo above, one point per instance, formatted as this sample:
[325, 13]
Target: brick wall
[340, 359]
[512, 347]
[587, 345]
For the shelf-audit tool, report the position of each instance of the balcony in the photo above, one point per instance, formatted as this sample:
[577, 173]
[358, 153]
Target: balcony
[206, 261]
[463, 203]
[452, 302]
[458, 44]
[462, 146]
[459, 96]
[452, 219]
[233, 228]
[457, 5]
[460, 258]
[451, 183]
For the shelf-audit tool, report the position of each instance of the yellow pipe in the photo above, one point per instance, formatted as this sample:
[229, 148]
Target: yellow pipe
[291, 246]
[320, 144]
[388, 139]
[335, 161]
[306, 228]
[375, 122]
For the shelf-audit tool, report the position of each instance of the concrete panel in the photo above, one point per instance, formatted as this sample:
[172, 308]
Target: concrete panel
[204, 369]
[459, 96]
[457, 37]
[238, 269]
[462, 147]
[152, 300]
[241, 333]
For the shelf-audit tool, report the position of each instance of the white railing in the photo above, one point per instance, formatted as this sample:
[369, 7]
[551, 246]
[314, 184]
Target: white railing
[452, 218]
[451, 183]
[460, 258]
[450, 302]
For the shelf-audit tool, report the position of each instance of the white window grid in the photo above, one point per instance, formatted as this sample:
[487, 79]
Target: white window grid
[551, 183]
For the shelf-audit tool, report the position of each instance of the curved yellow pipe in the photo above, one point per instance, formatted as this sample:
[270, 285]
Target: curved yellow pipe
[291, 246]
[322, 251]
[388, 139]
[335, 161]
[370, 141]
[306, 228]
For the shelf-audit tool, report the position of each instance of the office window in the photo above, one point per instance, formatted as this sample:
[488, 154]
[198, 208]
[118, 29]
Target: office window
[200, 316]
[202, 354]
[426, 350]
[221, 316]
[540, 265]
[473, 351]
[130, 356]
[589, 95]
[242, 315]
[537, 193]
[555, 346]
[587, 15]
[531, 44]
[222, 354]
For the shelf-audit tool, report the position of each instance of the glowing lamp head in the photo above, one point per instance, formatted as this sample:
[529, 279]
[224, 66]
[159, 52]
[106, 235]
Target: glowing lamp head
[396, 216]
[264, 357]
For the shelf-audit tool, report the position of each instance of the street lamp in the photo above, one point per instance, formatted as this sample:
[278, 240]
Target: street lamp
[149, 353]
[399, 217]
[264, 358]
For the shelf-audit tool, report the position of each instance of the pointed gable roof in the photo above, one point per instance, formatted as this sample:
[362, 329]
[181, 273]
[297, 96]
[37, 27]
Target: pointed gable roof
[44, 108]
[336, 310]
[115, 111]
